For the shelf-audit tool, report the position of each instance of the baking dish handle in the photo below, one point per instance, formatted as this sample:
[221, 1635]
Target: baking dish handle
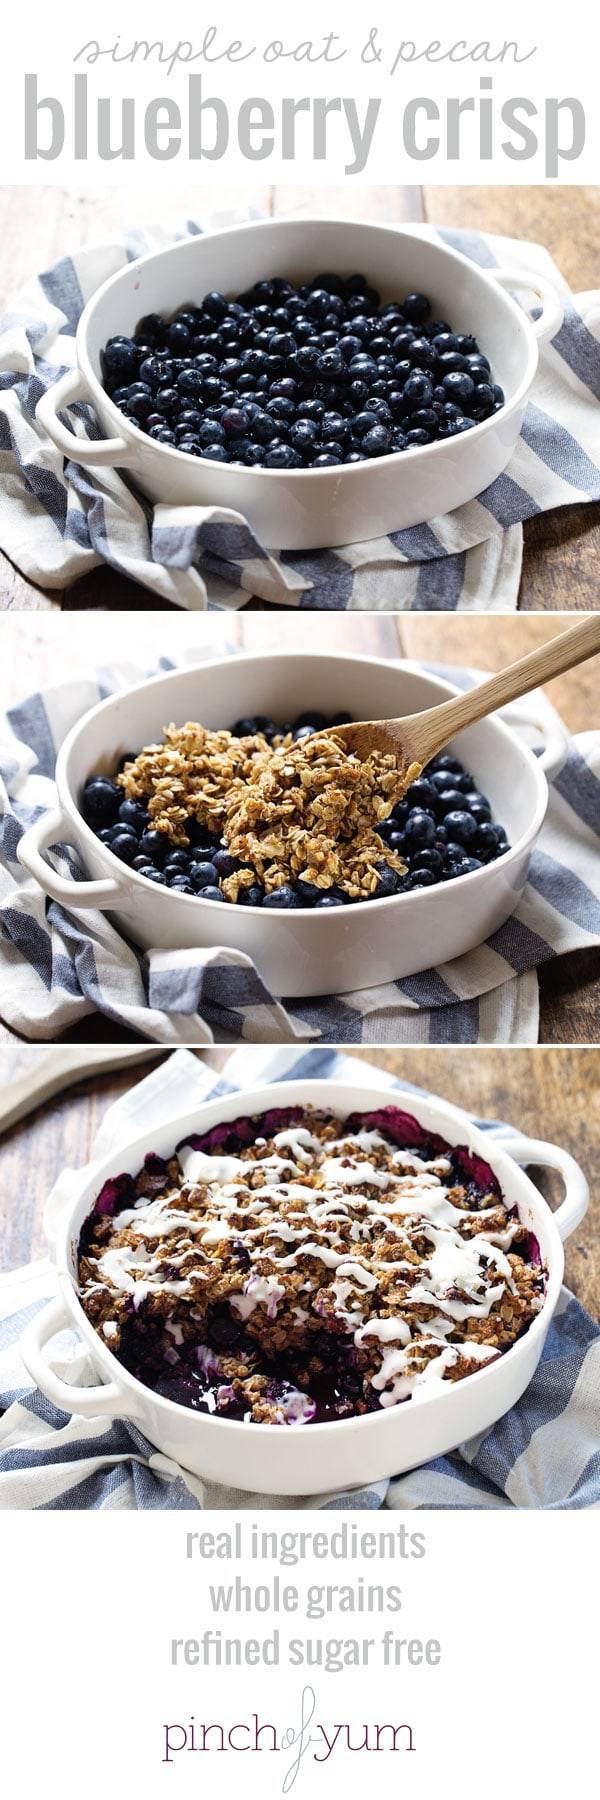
[107, 1399]
[573, 1208]
[53, 828]
[552, 314]
[84, 450]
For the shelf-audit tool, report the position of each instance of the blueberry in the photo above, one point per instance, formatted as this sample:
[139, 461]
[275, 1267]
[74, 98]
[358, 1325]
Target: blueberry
[179, 338]
[120, 357]
[452, 363]
[180, 884]
[462, 826]
[155, 845]
[486, 840]
[282, 899]
[199, 835]
[266, 725]
[420, 793]
[363, 368]
[133, 815]
[415, 308]
[419, 878]
[210, 432]
[377, 441]
[316, 720]
[469, 863]
[429, 859]
[305, 360]
[101, 801]
[202, 875]
[398, 842]
[458, 387]
[449, 800]
[364, 422]
[244, 728]
[251, 896]
[155, 370]
[151, 328]
[327, 901]
[388, 883]
[142, 864]
[215, 305]
[308, 893]
[215, 453]
[190, 382]
[454, 851]
[483, 398]
[425, 419]
[264, 429]
[235, 421]
[478, 805]
[125, 846]
[333, 425]
[279, 408]
[446, 761]
[420, 828]
[210, 893]
[311, 409]
[176, 861]
[282, 456]
[303, 434]
[331, 365]
[224, 863]
[157, 876]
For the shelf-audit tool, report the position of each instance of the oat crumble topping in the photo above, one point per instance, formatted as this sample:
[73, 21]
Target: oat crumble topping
[288, 810]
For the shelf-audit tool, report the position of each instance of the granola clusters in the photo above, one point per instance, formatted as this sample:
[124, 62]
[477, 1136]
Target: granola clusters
[295, 1267]
[285, 810]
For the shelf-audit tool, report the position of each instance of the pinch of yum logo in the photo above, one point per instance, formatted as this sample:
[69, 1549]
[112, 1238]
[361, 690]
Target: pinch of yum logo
[310, 1738]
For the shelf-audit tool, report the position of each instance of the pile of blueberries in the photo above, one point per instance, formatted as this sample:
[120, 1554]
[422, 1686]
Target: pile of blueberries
[296, 377]
[442, 828]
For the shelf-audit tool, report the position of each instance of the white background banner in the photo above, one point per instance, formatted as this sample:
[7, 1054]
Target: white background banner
[320, 93]
[470, 1638]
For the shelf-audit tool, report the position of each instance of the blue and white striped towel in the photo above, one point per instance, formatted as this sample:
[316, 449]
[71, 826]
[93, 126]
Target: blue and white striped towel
[59, 966]
[58, 521]
[544, 1453]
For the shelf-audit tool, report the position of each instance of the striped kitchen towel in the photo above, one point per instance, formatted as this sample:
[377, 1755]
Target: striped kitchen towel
[544, 1453]
[59, 520]
[60, 965]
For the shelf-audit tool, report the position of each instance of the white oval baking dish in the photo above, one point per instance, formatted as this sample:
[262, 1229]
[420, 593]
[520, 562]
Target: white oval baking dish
[302, 952]
[314, 1458]
[308, 509]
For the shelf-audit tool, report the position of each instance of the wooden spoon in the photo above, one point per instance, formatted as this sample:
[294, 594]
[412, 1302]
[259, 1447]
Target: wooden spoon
[414, 740]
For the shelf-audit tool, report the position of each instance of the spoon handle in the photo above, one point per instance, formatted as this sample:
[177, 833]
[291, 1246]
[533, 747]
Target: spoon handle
[430, 731]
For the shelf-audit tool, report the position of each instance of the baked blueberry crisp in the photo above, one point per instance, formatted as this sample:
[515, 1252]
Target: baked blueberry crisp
[297, 1267]
[296, 377]
[268, 815]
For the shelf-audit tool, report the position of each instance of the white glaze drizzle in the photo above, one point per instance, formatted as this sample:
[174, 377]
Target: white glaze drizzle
[353, 1197]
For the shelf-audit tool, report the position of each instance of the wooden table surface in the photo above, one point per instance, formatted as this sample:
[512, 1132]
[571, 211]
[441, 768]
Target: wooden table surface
[549, 1094]
[38, 226]
[42, 650]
